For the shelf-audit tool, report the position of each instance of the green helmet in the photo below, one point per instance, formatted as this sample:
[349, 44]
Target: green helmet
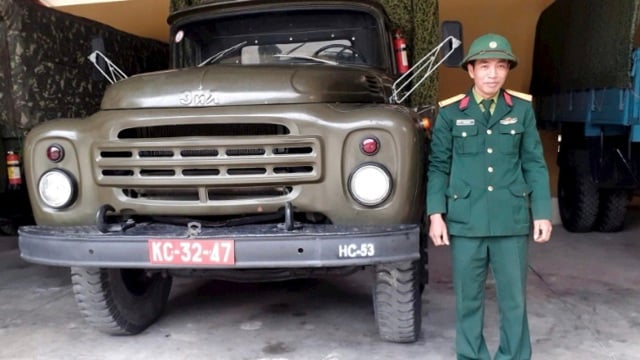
[490, 46]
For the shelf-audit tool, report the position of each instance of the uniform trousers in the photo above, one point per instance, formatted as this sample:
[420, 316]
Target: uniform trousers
[507, 257]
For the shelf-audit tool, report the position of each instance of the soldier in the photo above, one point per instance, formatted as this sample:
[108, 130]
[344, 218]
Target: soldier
[487, 180]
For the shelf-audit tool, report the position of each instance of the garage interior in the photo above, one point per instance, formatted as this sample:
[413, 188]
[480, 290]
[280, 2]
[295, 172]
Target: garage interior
[584, 288]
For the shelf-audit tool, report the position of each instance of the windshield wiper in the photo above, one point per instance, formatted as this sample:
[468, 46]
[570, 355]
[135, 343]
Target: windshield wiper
[220, 54]
[306, 57]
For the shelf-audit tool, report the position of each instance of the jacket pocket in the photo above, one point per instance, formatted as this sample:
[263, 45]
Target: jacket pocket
[510, 138]
[521, 211]
[458, 203]
[465, 139]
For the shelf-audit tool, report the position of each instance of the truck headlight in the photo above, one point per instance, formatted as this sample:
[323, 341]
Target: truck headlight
[57, 189]
[370, 184]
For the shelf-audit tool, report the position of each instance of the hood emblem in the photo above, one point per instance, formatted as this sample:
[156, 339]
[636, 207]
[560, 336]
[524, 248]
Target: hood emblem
[198, 98]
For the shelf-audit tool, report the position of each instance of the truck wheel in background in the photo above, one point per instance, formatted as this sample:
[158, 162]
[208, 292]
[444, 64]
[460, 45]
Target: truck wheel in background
[577, 197]
[612, 210]
[397, 301]
[424, 254]
[120, 301]
[9, 229]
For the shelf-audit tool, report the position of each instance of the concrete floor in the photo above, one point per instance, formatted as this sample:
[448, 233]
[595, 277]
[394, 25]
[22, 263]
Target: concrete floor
[584, 303]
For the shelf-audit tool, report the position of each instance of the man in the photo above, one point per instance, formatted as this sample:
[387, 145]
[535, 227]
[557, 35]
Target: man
[487, 180]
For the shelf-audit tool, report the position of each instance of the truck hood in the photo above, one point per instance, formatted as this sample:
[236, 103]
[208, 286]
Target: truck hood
[220, 85]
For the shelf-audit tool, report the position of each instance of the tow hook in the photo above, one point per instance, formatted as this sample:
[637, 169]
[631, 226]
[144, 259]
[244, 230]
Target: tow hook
[289, 223]
[105, 227]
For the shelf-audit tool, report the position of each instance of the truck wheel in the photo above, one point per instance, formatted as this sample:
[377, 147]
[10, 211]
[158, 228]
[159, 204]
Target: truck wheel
[120, 301]
[397, 302]
[612, 211]
[424, 254]
[577, 200]
[9, 229]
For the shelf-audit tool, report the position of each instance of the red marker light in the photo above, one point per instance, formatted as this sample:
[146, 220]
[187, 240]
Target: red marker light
[370, 146]
[55, 153]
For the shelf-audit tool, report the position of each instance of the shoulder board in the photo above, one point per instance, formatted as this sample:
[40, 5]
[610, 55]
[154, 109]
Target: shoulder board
[451, 100]
[520, 95]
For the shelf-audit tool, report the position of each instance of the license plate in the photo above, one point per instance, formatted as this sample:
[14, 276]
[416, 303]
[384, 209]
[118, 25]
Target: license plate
[191, 252]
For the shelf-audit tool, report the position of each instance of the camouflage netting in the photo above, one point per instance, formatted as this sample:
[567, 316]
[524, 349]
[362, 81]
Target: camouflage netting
[584, 44]
[44, 70]
[419, 21]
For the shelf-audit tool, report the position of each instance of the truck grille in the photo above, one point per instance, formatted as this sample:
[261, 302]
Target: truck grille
[207, 168]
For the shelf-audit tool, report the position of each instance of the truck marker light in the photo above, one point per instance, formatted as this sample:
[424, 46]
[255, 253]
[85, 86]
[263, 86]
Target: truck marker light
[426, 123]
[55, 153]
[370, 146]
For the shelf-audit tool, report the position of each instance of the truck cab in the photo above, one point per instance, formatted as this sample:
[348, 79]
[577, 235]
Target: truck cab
[274, 148]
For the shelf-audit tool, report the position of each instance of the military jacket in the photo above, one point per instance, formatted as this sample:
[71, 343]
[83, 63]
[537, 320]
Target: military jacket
[488, 177]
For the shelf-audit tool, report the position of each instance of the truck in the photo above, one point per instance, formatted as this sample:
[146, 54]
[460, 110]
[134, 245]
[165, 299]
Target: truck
[586, 82]
[45, 74]
[277, 147]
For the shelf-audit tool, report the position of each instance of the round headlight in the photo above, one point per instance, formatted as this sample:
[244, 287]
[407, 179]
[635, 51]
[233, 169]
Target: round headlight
[56, 188]
[370, 184]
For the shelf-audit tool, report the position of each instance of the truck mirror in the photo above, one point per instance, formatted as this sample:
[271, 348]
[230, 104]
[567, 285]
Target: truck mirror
[453, 29]
[97, 44]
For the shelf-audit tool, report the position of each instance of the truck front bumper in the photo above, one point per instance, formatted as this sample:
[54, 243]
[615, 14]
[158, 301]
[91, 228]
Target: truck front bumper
[255, 246]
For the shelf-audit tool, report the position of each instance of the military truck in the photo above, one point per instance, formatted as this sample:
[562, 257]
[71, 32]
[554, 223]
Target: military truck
[276, 148]
[45, 74]
[586, 84]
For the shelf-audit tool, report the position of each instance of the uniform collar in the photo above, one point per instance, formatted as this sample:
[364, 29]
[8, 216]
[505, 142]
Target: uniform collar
[503, 104]
[479, 98]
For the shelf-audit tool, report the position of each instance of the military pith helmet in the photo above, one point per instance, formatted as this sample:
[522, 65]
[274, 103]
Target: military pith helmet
[490, 46]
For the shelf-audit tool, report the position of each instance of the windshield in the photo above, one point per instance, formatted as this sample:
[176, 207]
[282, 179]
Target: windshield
[283, 37]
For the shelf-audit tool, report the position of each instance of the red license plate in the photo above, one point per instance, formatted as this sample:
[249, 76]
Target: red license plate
[191, 252]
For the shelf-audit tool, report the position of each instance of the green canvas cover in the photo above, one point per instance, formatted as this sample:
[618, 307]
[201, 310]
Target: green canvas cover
[44, 70]
[419, 21]
[584, 44]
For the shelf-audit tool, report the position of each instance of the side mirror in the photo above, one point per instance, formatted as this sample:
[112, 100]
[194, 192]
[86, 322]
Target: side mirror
[452, 29]
[97, 44]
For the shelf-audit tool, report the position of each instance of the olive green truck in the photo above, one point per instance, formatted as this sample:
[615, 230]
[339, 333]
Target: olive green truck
[275, 148]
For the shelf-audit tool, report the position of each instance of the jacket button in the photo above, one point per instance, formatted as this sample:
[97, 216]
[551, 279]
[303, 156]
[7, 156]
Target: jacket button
[490, 188]
[455, 196]
[490, 169]
[490, 150]
[489, 132]
[513, 132]
[464, 134]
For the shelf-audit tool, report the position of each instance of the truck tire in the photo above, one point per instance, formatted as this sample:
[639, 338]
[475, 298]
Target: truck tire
[120, 301]
[612, 210]
[397, 301]
[9, 229]
[577, 200]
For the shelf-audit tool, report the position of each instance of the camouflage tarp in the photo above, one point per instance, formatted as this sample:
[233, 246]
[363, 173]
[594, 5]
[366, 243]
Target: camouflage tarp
[44, 70]
[419, 21]
[584, 44]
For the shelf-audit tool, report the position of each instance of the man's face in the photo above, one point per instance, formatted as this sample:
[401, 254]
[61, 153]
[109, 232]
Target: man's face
[488, 75]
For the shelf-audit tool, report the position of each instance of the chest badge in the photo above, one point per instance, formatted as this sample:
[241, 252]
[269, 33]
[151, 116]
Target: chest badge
[508, 121]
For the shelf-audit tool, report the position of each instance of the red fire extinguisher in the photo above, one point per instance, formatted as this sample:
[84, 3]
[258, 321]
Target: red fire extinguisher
[13, 170]
[400, 48]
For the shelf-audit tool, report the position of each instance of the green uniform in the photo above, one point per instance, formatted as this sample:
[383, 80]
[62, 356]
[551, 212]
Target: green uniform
[488, 178]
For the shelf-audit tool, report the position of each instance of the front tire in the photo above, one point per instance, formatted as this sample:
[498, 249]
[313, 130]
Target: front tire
[120, 301]
[397, 301]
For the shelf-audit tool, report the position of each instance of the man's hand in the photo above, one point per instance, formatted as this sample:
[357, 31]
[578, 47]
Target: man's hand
[541, 231]
[438, 230]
